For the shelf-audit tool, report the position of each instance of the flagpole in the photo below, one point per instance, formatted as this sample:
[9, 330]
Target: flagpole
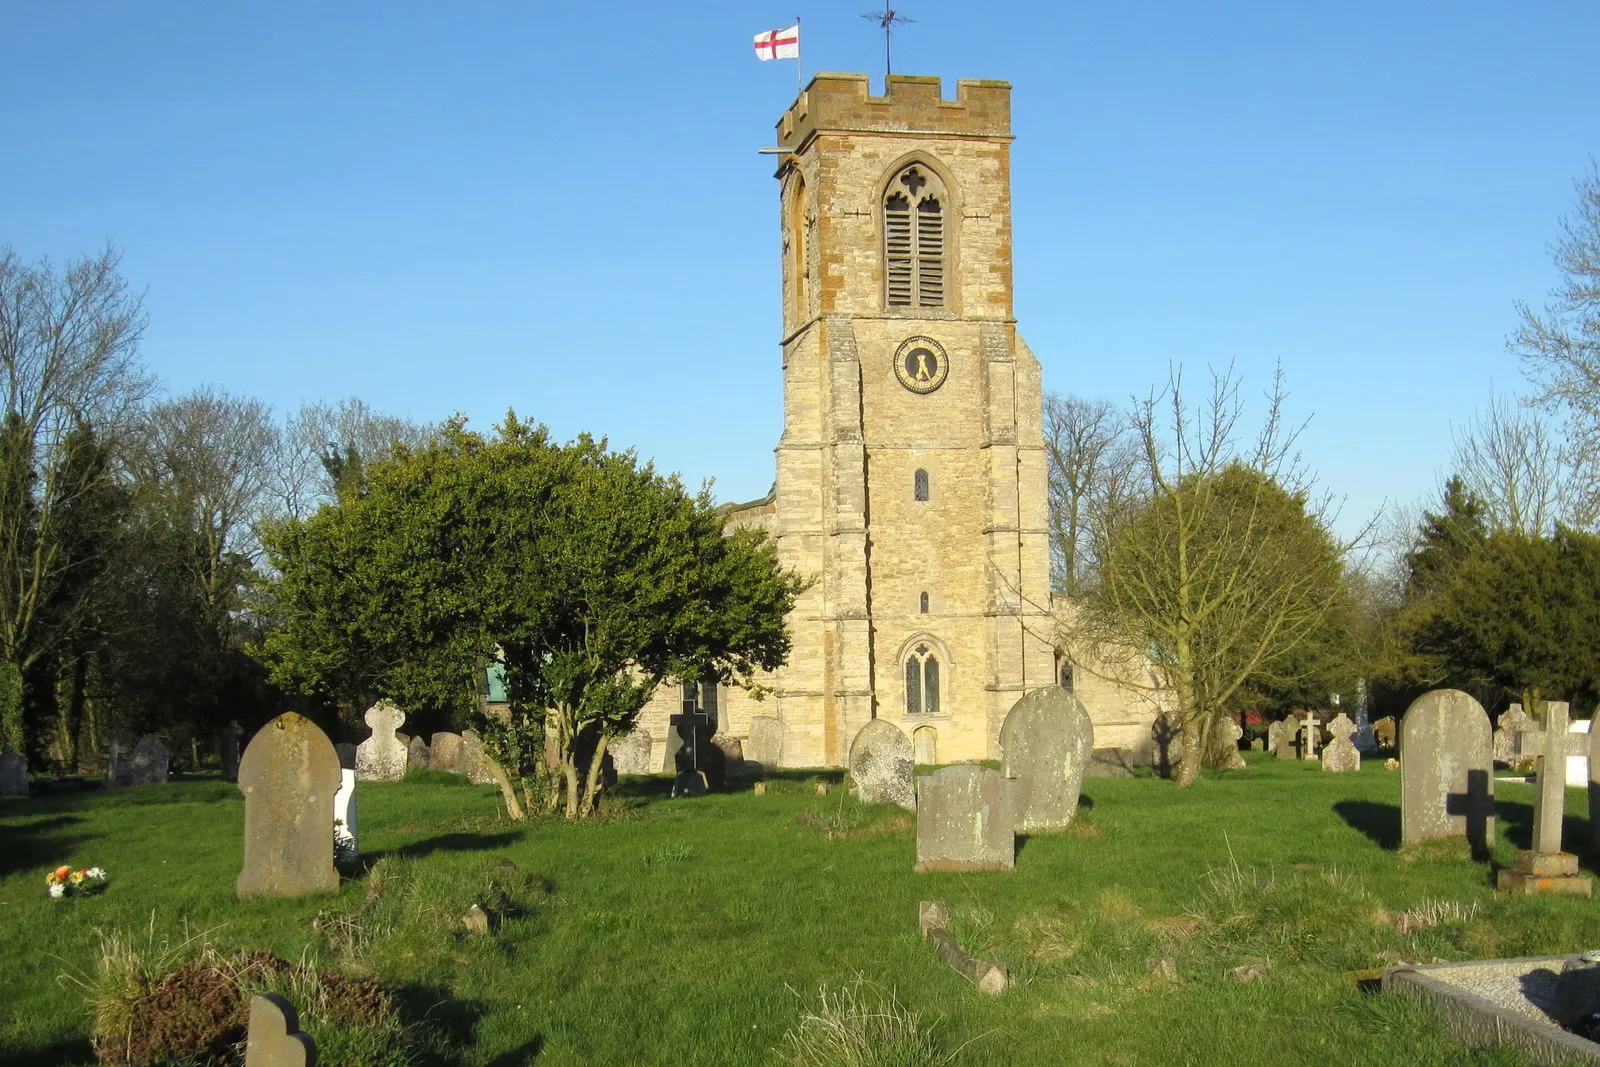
[799, 82]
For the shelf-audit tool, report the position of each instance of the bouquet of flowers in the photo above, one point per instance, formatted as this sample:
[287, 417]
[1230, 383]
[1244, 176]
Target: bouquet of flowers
[66, 882]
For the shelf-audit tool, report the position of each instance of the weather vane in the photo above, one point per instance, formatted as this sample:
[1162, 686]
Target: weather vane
[887, 19]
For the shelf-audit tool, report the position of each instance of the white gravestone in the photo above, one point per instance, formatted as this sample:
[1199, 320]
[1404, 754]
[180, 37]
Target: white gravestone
[346, 832]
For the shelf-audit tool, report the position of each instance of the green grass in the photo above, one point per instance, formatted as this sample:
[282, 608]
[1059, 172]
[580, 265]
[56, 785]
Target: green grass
[708, 930]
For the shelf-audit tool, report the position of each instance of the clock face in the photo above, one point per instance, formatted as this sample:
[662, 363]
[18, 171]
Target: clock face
[920, 364]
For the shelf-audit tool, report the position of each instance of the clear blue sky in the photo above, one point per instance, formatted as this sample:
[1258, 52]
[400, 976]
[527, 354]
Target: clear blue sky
[559, 208]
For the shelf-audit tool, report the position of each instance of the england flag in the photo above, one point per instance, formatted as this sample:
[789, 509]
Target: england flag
[779, 44]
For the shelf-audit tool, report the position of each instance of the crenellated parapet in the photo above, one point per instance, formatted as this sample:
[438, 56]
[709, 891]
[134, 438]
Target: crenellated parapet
[911, 104]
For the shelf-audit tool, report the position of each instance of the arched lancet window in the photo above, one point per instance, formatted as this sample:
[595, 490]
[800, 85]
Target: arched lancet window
[922, 681]
[919, 485]
[795, 240]
[924, 603]
[914, 239]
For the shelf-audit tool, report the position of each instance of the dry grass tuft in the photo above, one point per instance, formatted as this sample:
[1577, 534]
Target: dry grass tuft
[862, 1025]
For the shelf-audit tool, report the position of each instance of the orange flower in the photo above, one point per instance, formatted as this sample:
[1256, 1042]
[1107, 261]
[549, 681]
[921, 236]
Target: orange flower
[61, 873]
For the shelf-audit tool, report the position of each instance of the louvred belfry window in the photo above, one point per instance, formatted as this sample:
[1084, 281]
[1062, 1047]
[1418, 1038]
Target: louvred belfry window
[914, 240]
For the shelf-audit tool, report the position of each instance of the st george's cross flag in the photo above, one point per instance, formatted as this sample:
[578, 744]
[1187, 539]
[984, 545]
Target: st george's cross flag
[779, 44]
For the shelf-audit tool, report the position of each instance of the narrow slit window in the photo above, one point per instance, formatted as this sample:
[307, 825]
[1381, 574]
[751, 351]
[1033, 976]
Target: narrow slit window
[924, 603]
[919, 485]
[914, 240]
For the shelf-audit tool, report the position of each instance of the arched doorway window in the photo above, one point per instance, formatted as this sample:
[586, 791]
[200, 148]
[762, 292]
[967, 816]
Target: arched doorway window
[914, 239]
[922, 680]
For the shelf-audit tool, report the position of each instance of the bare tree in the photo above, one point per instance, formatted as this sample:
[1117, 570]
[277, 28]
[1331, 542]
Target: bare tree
[1515, 461]
[322, 444]
[1091, 455]
[1214, 560]
[71, 379]
[1559, 345]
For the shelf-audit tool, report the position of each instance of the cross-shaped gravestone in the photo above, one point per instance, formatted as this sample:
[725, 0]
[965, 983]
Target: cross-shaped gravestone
[1545, 868]
[1341, 755]
[1309, 724]
[688, 725]
[1552, 745]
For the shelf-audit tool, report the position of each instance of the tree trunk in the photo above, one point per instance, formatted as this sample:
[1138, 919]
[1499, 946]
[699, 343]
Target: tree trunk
[1195, 732]
[507, 791]
[591, 789]
[569, 774]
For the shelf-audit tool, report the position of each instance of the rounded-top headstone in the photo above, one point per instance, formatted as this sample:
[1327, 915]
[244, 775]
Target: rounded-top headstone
[882, 765]
[1045, 743]
[765, 743]
[1446, 769]
[289, 776]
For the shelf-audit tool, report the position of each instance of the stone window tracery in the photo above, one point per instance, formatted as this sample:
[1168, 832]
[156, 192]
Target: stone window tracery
[922, 681]
[914, 239]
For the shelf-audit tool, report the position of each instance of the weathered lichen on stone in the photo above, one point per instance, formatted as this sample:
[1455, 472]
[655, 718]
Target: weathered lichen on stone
[382, 757]
[1446, 770]
[289, 776]
[882, 765]
[1045, 745]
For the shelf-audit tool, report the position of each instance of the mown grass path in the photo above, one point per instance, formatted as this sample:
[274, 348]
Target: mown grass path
[700, 931]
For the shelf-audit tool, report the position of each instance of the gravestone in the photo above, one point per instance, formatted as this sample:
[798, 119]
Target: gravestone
[1232, 758]
[1545, 868]
[1045, 744]
[1594, 788]
[13, 775]
[1364, 739]
[1257, 745]
[966, 820]
[289, 775]
[1288, 746]
[417, 754]
[633, 752]
[1578, 753]
[476, 763]
[1446, 770]
[689, 748]
[346, 831]
[689, 784]
[1341, 756]
[148, 764]
[1168, 750]
[444, 753]
[382, 757]
[765, 743]
[1385, 731]
[882, 765]
[228, 751]
[273, 1038]
[119, 772]
[735, 766]
[1309, 736]
[1505, 739]
[1274, 736]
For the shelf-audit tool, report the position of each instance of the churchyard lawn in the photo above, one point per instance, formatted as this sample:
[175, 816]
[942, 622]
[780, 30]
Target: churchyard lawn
[703, 930]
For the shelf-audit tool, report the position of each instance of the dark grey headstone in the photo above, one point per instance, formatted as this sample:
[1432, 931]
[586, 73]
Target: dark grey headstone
[1045, 744]
[13, 775]
[882, 765]
[1446, 770]
[148, 764]
[289, 776]
[228, 751]
[966, 820]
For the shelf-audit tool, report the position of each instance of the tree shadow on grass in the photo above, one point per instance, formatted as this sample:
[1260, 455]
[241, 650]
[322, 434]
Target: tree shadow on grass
[38, 844]
[520, 1056]
[456, 842]
[1380, 822]
[76, 1050]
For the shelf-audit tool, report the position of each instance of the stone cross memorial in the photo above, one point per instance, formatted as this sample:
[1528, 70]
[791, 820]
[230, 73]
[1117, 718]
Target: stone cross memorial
[882, 765]
[1545, 868]
[382, 757]
[1446, 770]
[1231, 731]
[1341, 755]
[966, 820]
[289, 776]
[1308, 730]
[1045, 745]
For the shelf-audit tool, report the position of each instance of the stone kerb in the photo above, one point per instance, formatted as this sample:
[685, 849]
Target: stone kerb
[1341, 756]
[1045, 743]
[382, 757]
[289, 776]
[966, 820]
[1446, 770]
[882, 765]
[765, 743]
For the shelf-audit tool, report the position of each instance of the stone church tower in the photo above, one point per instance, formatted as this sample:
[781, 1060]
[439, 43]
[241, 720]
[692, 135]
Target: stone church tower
[911, 475]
